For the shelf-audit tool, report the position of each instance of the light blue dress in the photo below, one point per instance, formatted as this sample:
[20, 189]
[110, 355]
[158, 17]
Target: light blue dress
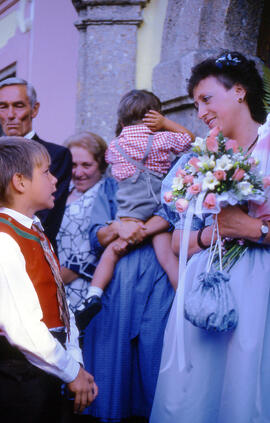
[226, 378]
[122, 345]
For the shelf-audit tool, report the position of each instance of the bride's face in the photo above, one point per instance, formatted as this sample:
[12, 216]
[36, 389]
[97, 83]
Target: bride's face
[217, 105]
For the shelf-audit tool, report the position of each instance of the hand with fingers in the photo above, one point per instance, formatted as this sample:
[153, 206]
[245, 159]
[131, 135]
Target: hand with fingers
[84, 389]
[120, 247]
[154, 120]
[157, 122]
[231, 222]
[131, 231]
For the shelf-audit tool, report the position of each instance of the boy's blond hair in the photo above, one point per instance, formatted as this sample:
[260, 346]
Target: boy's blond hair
[19, 155]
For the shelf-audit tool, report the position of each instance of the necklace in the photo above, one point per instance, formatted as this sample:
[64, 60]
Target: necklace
[252, 145]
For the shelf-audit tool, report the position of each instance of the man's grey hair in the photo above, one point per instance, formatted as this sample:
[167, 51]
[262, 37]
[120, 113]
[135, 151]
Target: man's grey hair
[31, 92]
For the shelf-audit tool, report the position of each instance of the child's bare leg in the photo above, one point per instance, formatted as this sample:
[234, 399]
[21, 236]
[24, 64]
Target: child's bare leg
[105, 268]
[101, 278]
[166, 257]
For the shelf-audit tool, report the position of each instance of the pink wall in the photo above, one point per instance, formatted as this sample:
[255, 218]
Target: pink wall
[47, 56]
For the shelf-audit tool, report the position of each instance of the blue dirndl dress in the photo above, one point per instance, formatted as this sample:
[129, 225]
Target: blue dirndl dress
[123, 343]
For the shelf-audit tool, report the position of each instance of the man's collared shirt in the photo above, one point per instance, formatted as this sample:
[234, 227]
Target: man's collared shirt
[30, 135]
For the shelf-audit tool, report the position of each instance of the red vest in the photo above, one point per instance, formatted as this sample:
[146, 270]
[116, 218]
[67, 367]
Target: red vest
[37, 267]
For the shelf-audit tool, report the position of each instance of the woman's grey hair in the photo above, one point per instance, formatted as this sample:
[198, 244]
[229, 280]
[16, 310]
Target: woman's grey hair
[92, 143]
[31, 92]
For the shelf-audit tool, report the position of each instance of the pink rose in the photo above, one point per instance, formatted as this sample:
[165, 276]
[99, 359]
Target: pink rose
[168, 196]
[266, 181]
[194, 162]
[238, 175]
[188, 179]
[210, 201]
[181, 205]
[195, 189]
[220, 175]
[231, 144]
[180, 172]
[212, 142]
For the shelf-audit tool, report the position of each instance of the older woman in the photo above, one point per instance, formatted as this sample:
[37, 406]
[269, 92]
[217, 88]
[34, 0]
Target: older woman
[122, 344]
[77, 261]
[225, 378]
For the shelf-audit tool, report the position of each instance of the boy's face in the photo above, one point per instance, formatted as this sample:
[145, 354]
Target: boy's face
[39, 191]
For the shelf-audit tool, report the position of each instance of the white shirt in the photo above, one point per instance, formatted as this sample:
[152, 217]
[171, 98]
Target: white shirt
[21, 314]
[30, 135]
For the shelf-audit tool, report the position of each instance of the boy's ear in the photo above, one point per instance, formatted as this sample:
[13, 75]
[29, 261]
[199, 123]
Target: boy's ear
[18, 182]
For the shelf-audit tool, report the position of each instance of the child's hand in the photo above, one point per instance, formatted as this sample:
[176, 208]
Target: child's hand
[120, 247]
[85, 390]
[154, 120]
[130, 232]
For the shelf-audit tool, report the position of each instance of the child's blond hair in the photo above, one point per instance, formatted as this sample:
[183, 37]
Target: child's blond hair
[19, 155]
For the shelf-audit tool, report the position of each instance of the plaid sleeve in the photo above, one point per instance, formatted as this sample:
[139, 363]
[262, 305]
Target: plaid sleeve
[178, 141]
[109, 154]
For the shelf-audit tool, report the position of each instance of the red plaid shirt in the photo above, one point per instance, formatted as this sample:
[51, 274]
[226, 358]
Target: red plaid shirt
[133, 139]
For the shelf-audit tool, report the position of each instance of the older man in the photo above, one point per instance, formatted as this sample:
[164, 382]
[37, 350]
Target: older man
[18, 107]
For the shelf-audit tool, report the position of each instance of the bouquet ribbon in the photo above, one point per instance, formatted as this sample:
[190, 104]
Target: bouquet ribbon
[178, 335]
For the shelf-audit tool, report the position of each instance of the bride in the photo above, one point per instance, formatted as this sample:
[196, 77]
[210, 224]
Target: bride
[224, 377]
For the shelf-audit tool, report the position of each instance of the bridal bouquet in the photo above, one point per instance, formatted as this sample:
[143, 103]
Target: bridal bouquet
[220, 174]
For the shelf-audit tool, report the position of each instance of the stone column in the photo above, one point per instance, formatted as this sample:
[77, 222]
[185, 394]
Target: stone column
[107, 60]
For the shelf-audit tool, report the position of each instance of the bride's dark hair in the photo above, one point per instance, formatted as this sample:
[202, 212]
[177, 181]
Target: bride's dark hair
[232, 68]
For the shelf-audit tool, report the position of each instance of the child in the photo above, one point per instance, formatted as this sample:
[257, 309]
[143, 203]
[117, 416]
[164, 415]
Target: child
[35, 357]
[140, 158]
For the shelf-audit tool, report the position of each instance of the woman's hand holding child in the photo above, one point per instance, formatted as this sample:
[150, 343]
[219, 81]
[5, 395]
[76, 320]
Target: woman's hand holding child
[131, 231]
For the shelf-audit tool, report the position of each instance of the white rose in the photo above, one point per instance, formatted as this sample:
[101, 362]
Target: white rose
[207, 162]
[177, 183]
[199, 144]
[209, 182]
[224, 163]
[245, 188]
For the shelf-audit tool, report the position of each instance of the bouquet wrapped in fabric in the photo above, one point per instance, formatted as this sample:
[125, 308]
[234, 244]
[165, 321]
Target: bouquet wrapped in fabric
[219, 174]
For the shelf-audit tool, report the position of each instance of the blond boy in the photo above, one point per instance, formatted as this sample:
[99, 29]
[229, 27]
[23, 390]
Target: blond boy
[38, 338]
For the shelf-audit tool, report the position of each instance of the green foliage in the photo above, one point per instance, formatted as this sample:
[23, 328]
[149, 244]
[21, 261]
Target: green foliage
[266, 82]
